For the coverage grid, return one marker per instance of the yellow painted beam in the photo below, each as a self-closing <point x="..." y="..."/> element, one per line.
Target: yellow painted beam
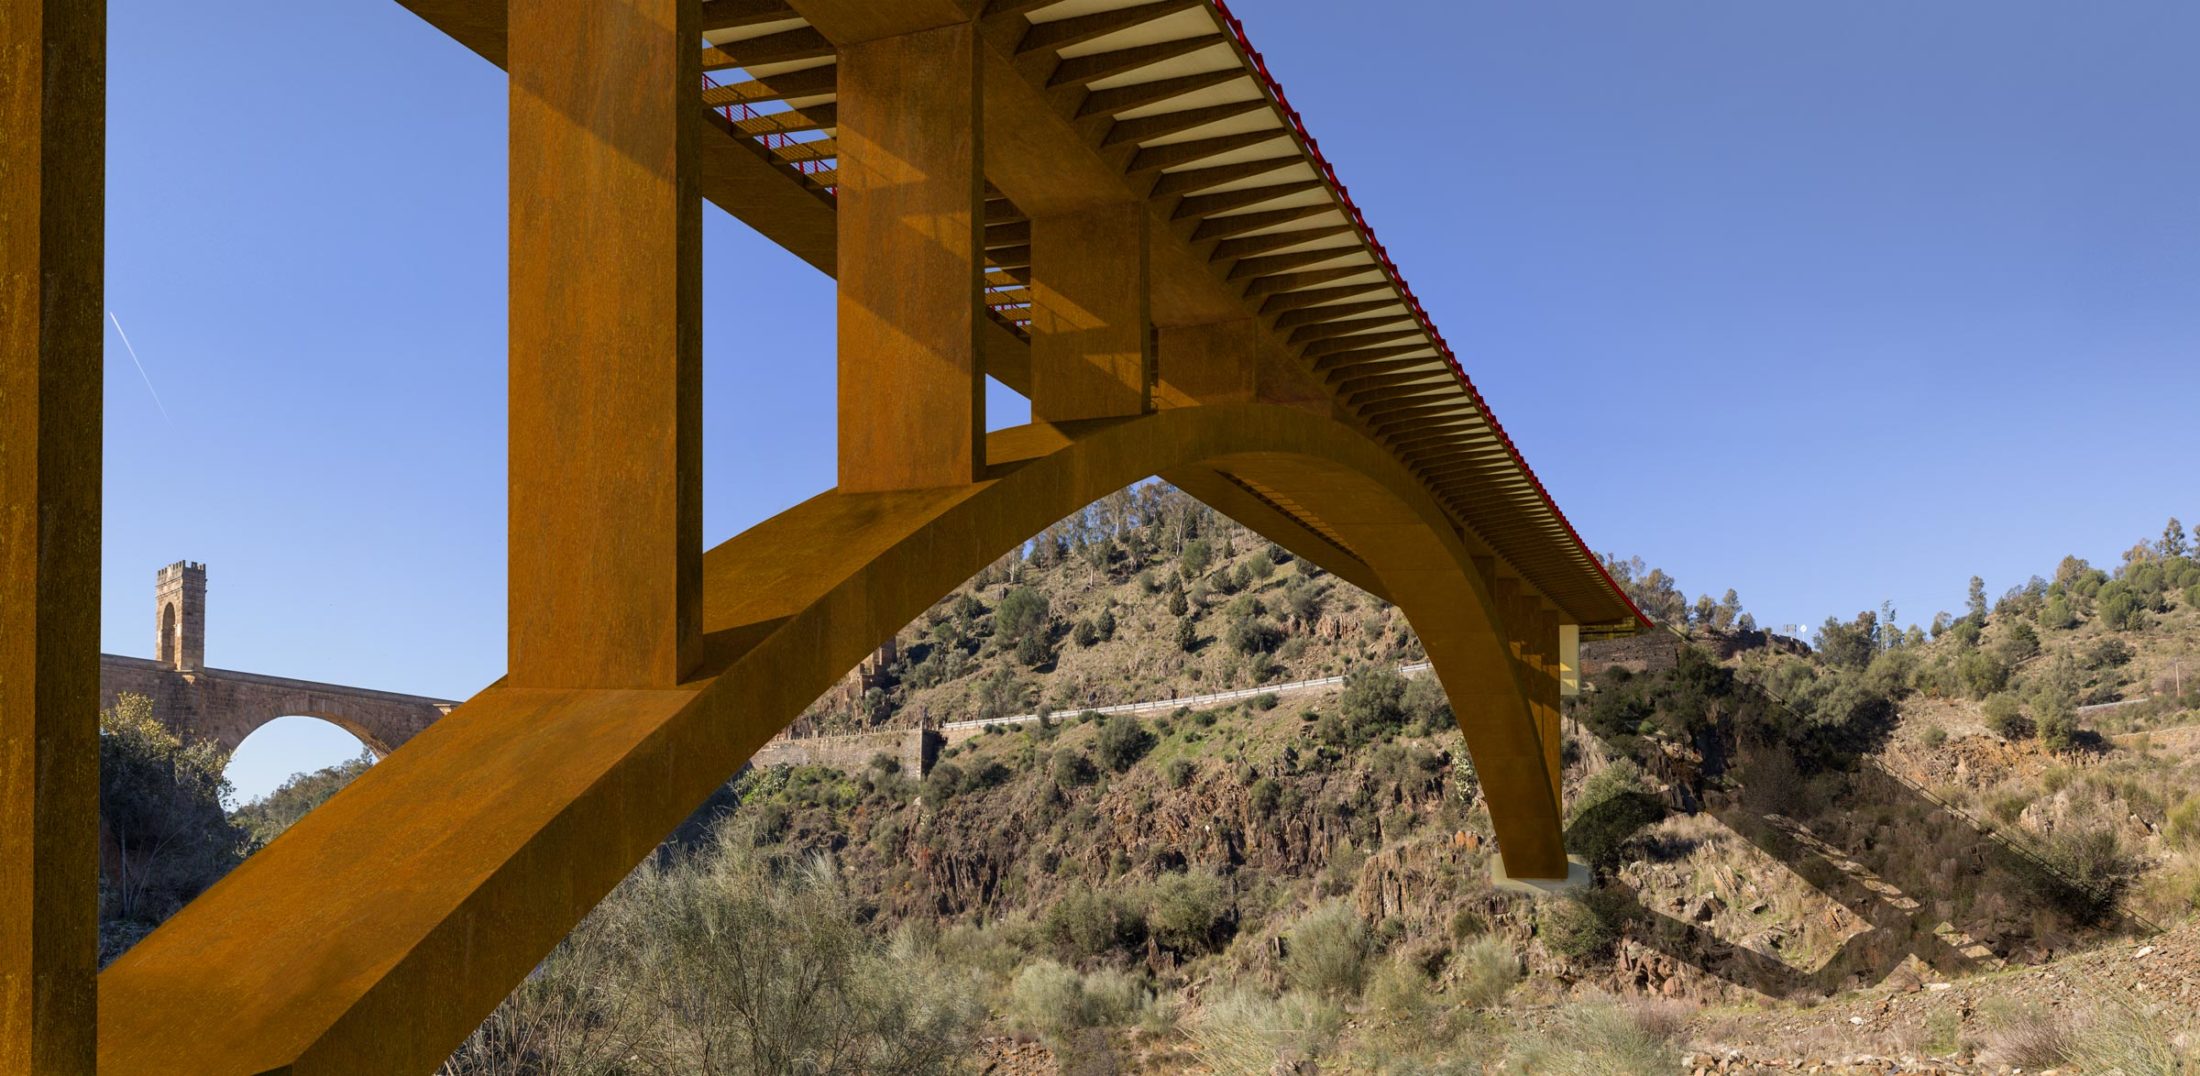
<point x="376" y="933"/>
<point x="606" y="344"/>
<point x="53" y="80"/>
<point x="912" y="207"/>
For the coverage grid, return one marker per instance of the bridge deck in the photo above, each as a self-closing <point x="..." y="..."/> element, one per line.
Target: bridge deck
<point x="1167" y="101"/>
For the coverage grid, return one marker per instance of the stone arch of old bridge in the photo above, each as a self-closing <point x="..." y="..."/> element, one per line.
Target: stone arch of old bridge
<point x="1104" y="204"/>
<point x="225" y="706"/>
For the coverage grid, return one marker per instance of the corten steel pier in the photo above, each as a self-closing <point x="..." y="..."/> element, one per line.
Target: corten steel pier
<point x="1106" y="205"/>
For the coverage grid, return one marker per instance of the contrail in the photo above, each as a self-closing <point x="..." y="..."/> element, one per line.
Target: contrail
<point x="140" y="366"/>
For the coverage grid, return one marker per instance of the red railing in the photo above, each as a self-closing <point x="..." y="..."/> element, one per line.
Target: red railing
<point x="1428" y="325"/>
<point x="737" y="112"/>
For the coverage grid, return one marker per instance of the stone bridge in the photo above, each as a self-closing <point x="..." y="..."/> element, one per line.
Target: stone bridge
<point x="225" y="706"/>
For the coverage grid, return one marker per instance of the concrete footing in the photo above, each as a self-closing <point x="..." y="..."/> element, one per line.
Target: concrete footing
<point x="1577" y="879"/>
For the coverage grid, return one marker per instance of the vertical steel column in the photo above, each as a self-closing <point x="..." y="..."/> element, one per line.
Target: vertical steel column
<point x="606" y="343"/>
<point x="911" y="261"/>
<point x="53" y="120"/>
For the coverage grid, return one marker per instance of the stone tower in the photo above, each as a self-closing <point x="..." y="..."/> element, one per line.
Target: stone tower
<point x="179" y="604"/>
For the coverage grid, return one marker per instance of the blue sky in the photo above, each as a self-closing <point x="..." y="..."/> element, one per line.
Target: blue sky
<point x="1832" y="304"/>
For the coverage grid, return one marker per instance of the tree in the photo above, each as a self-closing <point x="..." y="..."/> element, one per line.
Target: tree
<point x="1121" y="743"/>
<point x="1728" y="611"/>
<point x="1373" y="698"/>
<point x="1252" y="634"/>
<point x="1178" y="603"/>
<point x="160" y="801"/>
<point x="1033" y="650"/>
<point x="1023" y="612"/>
<point x="2173" y="538"/>
<point x="1187" y="636"/>
<point x="1195" y="557"/>
<point x="1976" y="602"/>
<point x="270" y="815"/>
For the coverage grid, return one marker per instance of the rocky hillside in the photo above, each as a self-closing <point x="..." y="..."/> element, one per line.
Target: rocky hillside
<point x="1147" y="594"/>
<point x="1925" y="850"/>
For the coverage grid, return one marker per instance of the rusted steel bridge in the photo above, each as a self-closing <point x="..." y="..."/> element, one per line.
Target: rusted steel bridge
<point x="1106" y="205"/>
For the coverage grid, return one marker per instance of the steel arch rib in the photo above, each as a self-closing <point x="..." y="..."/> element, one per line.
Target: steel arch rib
<point x="382" y="928"/>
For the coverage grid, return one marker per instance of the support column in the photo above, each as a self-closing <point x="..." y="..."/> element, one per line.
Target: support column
<point x="911" y="258"/>
<point x="53" y="118"/>
<point x="606" y="343"/>
<point x="1543" y="697"/>
<point x="1091" y="335"/>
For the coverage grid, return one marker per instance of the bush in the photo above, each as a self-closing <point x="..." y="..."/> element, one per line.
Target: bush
<point x="1426" y="707"/>
<point x="1603" y="1039"/>
<point x="943" y="782"/>
<point x="1373" y="698"/>
<point x="1252" y="635"/>
<point x="719" y="963"/>
<point x="1263" y="702"/>
<point x="269" y="816"/>
<point x="1121" y="743"/>
<point x="1980" y="674"/>
<point x="1073" y="770"/>
<point x="1023" y="612"/>
<point x="1934" y="736"/>
<point x="1326" y="952"/>
<point x="2109" y="653"/>
<point x="2004" y="717"/>
<point x="1085" y="634"/>
<point x="1049" y="1000"/>
<point x="1577" y="929"/>
<point x="160" y="800"/>
<point x="1243" y="1032"/>
<point x="1188" y="912"/>
<point x="1487" y="968"/>
<point x="1088" y="923"/>
<point x="1264" y="796"/>
<point x="2088" y="872"/>
<point x="1613" y="806"/>
<point x="1033" y="650"/>
<point x="1181" y="771"/>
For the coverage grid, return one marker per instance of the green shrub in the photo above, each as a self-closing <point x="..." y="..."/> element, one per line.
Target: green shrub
<point x="1980" y="674"/>
<point x="1073" y="770"/>
<point x="1264" y="795"/>
<point x="1264" y="701"/>
<point x="1614" y="804"/>
<point x="1933" y="736"/>
<point x="1023" y="613"/>
<point x="943" y="782"/>
<point x="2087" y="872"/>
<point x="1326" y="952"/>
<point x="160" y="800"/>
<point x="2004" y="716"/>
<point x="1121" y="743"/>
<point x="1486" y="969"/>
<point x="1088" y="923"/>
<point x="1600" y="1039"/>
<point x="2183" y="829"/>
<point x="1181" y="771"/>
<point x="719" y="963"/>
<point x="1241" y="1032"/>
<point x="1576" y="929"/>
<point x="1188" y="912"/>
<point x="1049" y="1000"/>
